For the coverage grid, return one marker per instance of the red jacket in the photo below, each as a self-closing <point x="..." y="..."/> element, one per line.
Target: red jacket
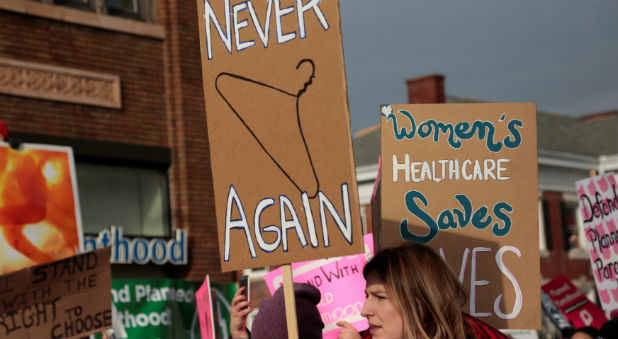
<point x="483" y="330"/>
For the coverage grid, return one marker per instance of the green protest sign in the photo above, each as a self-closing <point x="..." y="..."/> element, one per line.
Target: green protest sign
<point x="166" y="308"/>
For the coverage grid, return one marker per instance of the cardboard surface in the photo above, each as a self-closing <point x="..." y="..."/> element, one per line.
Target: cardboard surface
<point x="485" y="220"/>
<point x="598" y="203"/>
<point x="341" y="283"/>
<point x="68" y="298"/>
<point x="279" y="130"/>
<point x="39" y="207"/>
<point x="573" y="303"/>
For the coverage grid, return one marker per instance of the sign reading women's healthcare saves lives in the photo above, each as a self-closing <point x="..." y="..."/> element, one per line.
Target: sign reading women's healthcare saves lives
<point x="462" y="178"/>
<point x="278" y="128"/>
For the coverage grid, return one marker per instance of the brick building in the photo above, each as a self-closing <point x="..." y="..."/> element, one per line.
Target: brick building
<point x="120" y="82"/>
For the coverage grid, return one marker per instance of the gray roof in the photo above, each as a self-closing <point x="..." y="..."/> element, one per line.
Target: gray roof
<point x="555" y="133"/>
<point x="572" y="135"/>
<point x="367" y="147"/>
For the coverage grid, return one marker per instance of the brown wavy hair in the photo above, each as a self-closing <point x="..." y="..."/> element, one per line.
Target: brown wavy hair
<point x="424" y="289"/>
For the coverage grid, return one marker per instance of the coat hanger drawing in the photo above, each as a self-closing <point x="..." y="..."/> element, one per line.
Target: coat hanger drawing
<point x="280" y="158"/>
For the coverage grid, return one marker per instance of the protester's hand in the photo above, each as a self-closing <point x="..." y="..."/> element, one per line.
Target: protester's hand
<point x="238" y="315"/>
<point x="347" y="331"/>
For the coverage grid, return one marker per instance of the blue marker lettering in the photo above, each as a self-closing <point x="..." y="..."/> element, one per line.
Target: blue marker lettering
<point x="419" y="213"/>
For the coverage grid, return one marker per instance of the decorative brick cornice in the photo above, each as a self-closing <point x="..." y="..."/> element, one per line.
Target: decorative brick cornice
<point x="40" y="81"/>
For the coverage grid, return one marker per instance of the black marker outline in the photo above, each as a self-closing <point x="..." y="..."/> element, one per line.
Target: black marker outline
<point x="300" y="128"/>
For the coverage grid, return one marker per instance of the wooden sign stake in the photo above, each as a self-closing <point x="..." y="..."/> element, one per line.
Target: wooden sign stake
<point x="290" y="302"/>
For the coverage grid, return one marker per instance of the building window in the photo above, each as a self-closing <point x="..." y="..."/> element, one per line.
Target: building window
<point x="134" y="198"/>
<point x="547" y="225"/>
<point x="79" y="4"/>
<point x="120" y="7"/>
<point x="572" y="227"/>
<point x="118" y="184"/>
<point x="134" y="9"/>
<point x="569" y="226"/>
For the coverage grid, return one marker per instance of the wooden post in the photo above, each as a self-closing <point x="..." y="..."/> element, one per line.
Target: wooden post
<point x="290" y="302"/>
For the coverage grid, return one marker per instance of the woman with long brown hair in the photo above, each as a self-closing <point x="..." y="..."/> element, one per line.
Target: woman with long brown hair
<point x="412" y="293"/>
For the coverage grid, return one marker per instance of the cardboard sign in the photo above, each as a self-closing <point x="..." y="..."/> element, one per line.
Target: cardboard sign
<point x="204" y="310"/>
<point x="598" y="202"/>
<point x="39" y="208"/>
<point x="573" y="303"/>
<point x="279" y="131"/>
<point x="341" y="283"/>
<point x="462" y="178"/>
<point x="68" y="298"/>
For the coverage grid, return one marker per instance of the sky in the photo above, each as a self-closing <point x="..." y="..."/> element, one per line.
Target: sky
<point x="561" y="54"/>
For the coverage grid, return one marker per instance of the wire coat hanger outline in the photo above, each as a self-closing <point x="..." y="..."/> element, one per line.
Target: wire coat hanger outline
<point x="298" y="95"/>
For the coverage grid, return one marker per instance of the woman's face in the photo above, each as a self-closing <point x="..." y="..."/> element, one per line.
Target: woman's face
<point x="581" y="335"/>
<point x="384" y="318"/>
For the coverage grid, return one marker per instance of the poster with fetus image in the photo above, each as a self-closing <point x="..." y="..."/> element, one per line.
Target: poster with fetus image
<point x="39" y="208"/>
<point x="462" y="178"/>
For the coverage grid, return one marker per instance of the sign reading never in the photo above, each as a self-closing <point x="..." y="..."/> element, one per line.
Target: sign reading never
<point x="278" y="126"/>
<point x="68" y="298"/>
<point x="462" y="178"/>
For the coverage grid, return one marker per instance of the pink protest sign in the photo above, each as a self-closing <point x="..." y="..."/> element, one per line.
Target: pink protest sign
<point x="598" y="203"/>
<point x="204" y="310"/>
<point x="575" y="306"/>
<point x="341" y="282"/>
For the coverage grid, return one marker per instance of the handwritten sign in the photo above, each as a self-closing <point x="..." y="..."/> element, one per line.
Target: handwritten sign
<point x="598" y="203"/>
<point x="573" y="303"/>
<point x="204" y="310"/>
<point x="462" y="178"/>
<point x="39" y="207"/>
<point x="68" y="298"/>
<point x="341" y="283"/>
<point x="278" y="125"/>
